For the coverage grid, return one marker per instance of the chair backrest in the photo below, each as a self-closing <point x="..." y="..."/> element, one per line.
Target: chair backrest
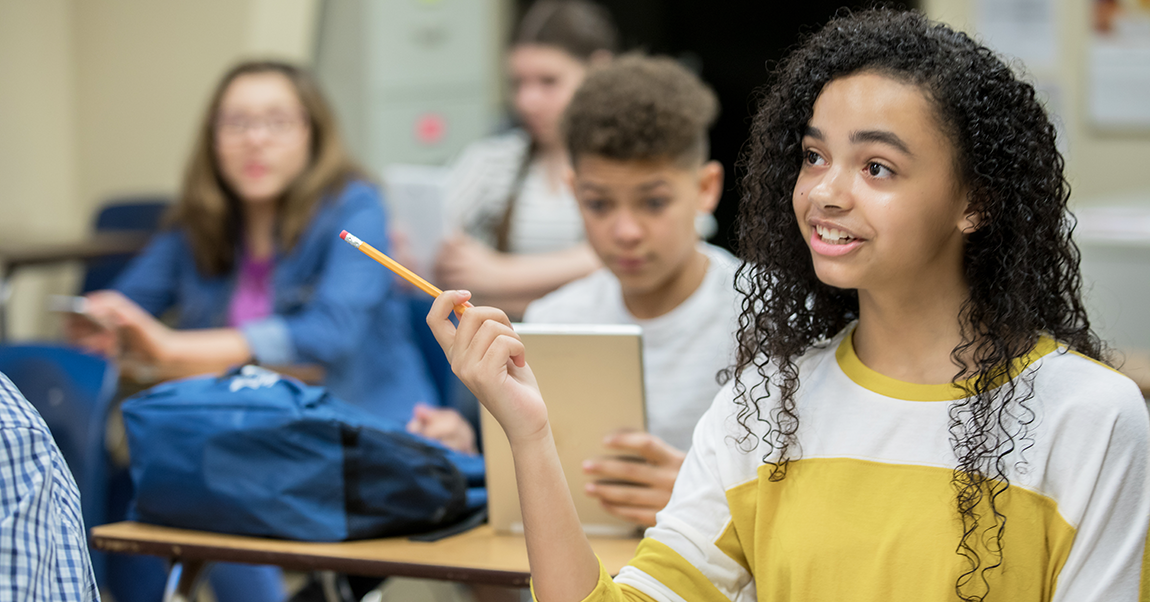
<point x="137" y="215"/>
<point x="72" y="391"/>
<point x="418" y="304"/>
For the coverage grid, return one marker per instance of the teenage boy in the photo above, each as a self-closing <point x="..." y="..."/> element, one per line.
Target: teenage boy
<point x="636" y="131"/>
<point x="637" y="135"/>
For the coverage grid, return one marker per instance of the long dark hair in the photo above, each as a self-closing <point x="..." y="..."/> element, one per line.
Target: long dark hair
<point x="1021" y="266"/>
<point x="580" y="28"/>
<point x="209" y="211"/>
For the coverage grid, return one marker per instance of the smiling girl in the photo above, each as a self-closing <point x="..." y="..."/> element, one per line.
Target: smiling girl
<point x="919" y="409"/>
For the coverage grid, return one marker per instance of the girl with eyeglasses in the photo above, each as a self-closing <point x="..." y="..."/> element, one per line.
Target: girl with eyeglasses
<point x="250" y="267"/>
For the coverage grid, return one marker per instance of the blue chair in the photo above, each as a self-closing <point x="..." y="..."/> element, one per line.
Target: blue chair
<point x="418" y="304"/>
<point x="140" y="215"/>
<point x="452" y="392"/>
<point x="72" y="391"/>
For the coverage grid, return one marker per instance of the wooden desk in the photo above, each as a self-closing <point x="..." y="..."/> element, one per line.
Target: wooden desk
<point x="476" y="556"/>
<point x="19" y="252"/>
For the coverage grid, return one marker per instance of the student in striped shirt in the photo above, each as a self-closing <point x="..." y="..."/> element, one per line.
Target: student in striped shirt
<point x="518" y="233"/>
<point x="919" y="409"/>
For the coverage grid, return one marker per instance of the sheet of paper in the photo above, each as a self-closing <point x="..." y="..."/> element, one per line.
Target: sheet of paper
<point x="1119" y="64"/>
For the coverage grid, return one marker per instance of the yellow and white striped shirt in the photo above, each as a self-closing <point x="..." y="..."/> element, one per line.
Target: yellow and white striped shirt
<point x="868" y="510"/>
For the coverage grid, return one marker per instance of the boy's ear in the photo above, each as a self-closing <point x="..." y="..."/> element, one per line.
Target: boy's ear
<point x="710" y="186"/>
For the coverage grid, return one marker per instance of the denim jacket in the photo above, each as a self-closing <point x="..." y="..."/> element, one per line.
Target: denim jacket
<point x="332" y="305"/>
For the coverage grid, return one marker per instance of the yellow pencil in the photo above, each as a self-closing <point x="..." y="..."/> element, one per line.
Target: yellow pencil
<point x="395" y="266"/>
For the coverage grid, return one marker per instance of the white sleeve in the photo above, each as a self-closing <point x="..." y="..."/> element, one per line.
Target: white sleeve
<point x="1107" y="560"/>
<point x="693" y="552"/>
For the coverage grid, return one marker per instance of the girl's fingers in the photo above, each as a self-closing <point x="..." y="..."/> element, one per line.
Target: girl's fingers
<point x="439" y="318"/>
<point x="504" y="347"/>
<point x="475" y="353"/>
<point x="469" y="324"/>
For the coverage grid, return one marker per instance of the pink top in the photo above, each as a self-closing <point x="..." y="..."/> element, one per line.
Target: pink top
<point x="252" y="298"/>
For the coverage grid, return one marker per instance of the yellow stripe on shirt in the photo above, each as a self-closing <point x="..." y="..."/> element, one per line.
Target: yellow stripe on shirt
<point x="879" y="383"/>
<point x="1144" y="586"/>
<point x="664" y="564"/>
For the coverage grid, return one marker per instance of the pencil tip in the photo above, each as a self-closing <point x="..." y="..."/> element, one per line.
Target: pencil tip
<point x="343" y="234"/>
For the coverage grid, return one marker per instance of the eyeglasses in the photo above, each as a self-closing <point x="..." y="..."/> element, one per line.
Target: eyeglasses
<point x="232" y="128"/>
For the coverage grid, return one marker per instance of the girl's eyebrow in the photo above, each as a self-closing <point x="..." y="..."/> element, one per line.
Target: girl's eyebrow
<point x="880" y="136"/>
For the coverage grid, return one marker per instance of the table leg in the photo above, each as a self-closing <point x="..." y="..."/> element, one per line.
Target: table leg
<point x="335" y="587"/>
<point x="184" y="580"/>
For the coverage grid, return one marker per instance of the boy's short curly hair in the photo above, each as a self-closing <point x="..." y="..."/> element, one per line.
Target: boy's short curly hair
<point x="641" y="108"/>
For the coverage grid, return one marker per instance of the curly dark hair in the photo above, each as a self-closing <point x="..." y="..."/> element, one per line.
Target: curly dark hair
<point x="641" y="108"/>
<point x="1021" y="265"/>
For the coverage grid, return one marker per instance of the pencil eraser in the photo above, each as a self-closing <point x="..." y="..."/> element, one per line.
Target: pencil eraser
<point x="343" y="234"/>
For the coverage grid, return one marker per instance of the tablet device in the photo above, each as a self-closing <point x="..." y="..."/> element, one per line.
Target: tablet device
<point x="591" y="378"/>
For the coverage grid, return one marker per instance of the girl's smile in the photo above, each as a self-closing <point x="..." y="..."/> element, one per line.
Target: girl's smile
<point x="833" y="240"/>
<point x="877" y="198"/>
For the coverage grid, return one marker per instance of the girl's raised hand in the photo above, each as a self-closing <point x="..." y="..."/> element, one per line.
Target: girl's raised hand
<point x="488" y="356"/>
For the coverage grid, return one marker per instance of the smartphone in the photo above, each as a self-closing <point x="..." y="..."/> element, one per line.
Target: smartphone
<point x="73" y="305"/>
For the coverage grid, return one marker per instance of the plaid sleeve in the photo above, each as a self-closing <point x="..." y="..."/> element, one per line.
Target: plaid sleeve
<point x="43" y="549"/>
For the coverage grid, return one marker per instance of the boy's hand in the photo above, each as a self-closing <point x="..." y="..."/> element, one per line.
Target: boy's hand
<point x="445" y="426"/>
<point x="487" y="355"/>
<point x="650" y="482"/>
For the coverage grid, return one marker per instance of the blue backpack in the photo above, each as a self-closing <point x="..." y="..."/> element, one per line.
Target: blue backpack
<point x="257" y="453"/>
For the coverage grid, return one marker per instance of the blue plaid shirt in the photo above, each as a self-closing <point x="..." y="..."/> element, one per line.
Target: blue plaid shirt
<point x="43" y="548"/>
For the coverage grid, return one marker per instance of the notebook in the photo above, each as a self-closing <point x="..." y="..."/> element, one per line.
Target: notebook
<point x="591" y="377"/>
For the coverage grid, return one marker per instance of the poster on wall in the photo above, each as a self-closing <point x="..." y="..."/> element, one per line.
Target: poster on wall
<point x="1119" y="65"/>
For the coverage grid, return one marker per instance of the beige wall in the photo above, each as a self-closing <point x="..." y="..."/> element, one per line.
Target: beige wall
<point x="37" y="142"/>
<point x="1101" y="166"/>
<point x="37" y="116"/>
<point x="144" y="72"/>
<point x="99" y="98"/>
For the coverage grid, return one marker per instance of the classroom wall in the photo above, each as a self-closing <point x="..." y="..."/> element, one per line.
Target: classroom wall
<point x="37" y="120"/>
<point x="145" y="70"/>
<point x="37" y="139"/>
<point x="1102" y="167"/>
<point x="99" y="98"/>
